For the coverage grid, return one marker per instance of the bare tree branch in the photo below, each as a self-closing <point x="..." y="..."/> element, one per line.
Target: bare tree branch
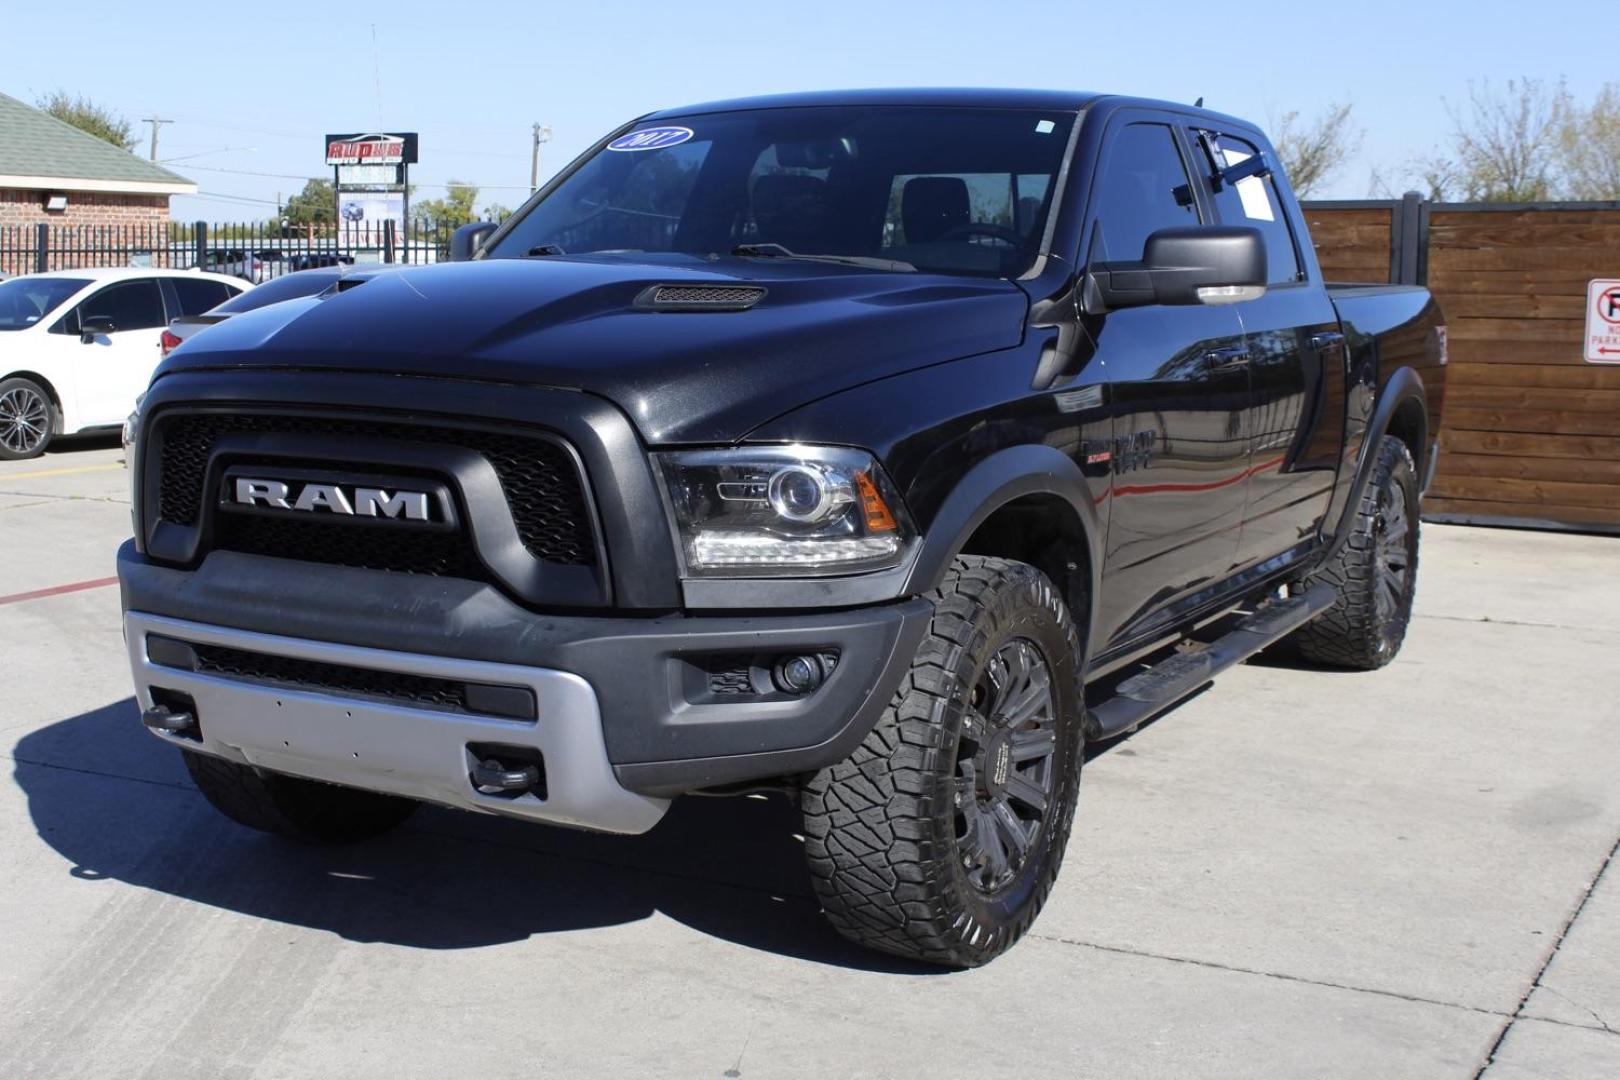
<point x="1312" y="153"/>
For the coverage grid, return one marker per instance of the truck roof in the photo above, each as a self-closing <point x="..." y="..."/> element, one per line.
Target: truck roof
<point x="970" y="97"/>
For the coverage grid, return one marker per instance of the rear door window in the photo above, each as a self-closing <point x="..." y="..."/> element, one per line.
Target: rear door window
<point x="1253" y="201"/>
<point x="197" y="295"/>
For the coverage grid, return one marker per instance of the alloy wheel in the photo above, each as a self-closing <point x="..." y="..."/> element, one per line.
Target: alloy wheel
<point x="24" y="420"/>
<point x="1392" y="552"/>
<point x="1005" y="766"/>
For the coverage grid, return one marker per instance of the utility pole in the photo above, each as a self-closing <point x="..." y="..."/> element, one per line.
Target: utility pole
<point x="542" y="134"/>
<point x="156" y="122"/>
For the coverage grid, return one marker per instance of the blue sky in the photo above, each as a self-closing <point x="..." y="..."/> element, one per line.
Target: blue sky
<point x="252" y="88"/>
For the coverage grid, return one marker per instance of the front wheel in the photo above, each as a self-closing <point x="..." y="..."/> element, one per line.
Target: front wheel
<point x="939" y="839"/>
<point x="27" y="419"/>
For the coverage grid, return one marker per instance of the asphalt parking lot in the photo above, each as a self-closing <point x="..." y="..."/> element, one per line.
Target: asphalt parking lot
<point x="1298" y="873"/>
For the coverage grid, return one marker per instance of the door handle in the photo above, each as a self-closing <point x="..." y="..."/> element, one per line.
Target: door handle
<point x="1325" y="340"/>
<point x="1232" y="358"/>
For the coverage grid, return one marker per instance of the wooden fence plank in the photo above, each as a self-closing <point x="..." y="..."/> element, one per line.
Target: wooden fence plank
<point x="1531" y="493"/>
<point x="1532" y="421"/>
<point x="1567" y="469"/>
<point x="1520" y="397"/>
<point x="1488" y="508"/>
<point x="1528" y="444"/>
<point x="1585" y="377"/>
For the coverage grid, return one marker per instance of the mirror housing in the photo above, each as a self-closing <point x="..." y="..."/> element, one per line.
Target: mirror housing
<point x="93" y="326"/>
<point x="1202" y="264"/>
<point x="464" y="242"/>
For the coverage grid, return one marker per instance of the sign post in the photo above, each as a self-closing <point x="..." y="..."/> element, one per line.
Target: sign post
<point x="1603" y="321"/>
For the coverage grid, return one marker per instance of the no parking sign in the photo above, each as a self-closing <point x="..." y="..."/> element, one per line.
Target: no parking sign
<point x="1603" y="321"/>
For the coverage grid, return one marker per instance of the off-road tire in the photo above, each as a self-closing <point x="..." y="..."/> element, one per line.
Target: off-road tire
<point x="21" y="448"/>
<point x="1355" y="632"/>
<point x="291" y="806"/>
<point x="881" y="826"/>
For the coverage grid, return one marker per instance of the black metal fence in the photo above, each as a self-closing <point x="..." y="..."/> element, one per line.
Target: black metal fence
<point x="256" y="252"/>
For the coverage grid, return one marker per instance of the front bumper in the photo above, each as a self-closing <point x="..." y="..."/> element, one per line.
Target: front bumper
<point x="627" y="713"/>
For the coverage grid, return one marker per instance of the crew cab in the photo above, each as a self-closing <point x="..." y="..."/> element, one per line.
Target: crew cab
<point x="877" y="448"/>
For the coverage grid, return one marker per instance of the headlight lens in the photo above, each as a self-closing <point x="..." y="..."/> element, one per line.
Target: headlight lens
<point x="784" y="511"/>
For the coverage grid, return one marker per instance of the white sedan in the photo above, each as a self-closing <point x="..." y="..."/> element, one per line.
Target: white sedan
<point x="77" y="347"/>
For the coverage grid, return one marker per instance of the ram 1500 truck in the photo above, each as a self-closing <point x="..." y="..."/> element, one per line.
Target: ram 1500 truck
<point x="878" y="448"/>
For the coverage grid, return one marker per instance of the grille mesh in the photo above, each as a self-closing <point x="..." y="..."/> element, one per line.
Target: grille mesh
<point x="314" y="675"/>
<point x="539" y="479"/>
<point x="729" y="296"/>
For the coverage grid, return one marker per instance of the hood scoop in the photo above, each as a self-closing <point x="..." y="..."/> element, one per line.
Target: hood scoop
<point x="700" y="297"/>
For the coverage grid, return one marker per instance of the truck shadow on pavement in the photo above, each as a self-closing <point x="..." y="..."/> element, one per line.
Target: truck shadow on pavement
<point x="116" y="804"/>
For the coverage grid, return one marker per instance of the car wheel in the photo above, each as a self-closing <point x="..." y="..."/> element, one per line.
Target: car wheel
<point x="27" y="419"/>
<point x="292" y="806"/>
<point x="939" y="839"/>
<point x="1374" y="573"/>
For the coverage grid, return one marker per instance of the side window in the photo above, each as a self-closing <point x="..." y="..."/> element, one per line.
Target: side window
<point x="1144" y="188"/>
<point x="1253" y="201"/>
<point x="132" y="305"/>
<point x="198" y="295"/>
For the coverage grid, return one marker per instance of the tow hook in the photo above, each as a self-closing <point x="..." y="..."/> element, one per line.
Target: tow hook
<point x="491" y="777"/>
<point x="166" y="720"/>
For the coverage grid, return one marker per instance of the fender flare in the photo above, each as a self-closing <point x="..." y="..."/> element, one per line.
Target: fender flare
<point x="997" y="480"/>
<point x="1403" y="386"/>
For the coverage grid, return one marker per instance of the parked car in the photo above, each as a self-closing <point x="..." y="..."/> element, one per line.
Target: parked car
<point x="877" y="449"/>
<point x="78" y="346"/>
<point x="254" y="266"/>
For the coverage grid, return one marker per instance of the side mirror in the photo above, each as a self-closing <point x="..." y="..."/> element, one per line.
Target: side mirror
<point x="93" y="326"/>
<point x="464" y="241"/>
<point x="1204" y="264"/>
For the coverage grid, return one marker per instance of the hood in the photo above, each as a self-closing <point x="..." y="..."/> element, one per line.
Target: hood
<point x="574" y="322"/>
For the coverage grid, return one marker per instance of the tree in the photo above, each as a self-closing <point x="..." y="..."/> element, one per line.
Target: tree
<point x="314" y="206"/>
<point x="86" y="115"/>
<point x="455" y="209"/>
<point x="1312" y="153"/>
<point x="1504" y="144"/>
<point x="496" y="212"/>
<point x="1589" y="147"/>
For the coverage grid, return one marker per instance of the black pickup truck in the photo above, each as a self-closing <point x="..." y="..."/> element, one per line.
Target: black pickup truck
<point x="877" y="448"/>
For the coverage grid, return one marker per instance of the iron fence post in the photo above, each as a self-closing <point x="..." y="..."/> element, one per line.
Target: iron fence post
<point x="388" y="240"/>
<point x="42" y="237"/>
<point x="199" y="241"/>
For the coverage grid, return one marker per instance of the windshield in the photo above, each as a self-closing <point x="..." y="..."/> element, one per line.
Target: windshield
<point x="963" y="191"/>
<point x="24" y="301"/>
<point x="274" y="291"/>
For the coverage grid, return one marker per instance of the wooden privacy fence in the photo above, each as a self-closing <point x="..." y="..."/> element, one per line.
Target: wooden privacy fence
<point x="1531" y="431"/>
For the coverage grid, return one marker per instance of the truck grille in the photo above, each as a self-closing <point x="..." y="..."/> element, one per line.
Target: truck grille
<point x="539" y="479"/>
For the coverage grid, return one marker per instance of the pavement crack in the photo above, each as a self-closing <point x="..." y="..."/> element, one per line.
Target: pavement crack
<point x="1581" y="1005"/>
<point x="1546" y="962"/>
<point x="1327" y="984"/>
<point x="1486" y="620"/>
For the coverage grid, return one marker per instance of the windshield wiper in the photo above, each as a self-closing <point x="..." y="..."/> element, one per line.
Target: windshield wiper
<point x="546" y="249"/>
<point x="777" y="251"/>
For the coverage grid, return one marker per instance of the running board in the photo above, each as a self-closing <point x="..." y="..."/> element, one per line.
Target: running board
<point x="1142" y="697"/>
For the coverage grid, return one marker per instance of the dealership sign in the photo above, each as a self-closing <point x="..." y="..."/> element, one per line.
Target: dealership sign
<point x="396" y="148"/>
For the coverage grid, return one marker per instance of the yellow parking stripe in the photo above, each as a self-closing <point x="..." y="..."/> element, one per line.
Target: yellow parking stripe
<point x="60" y="472"/>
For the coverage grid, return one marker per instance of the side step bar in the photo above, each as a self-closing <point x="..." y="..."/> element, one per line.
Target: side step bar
<point x="1142" y="697"/>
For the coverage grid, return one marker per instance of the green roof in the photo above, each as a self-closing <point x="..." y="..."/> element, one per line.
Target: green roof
<point x="36" y="144"/>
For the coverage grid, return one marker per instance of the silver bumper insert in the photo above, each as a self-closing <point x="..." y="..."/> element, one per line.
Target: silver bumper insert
<point x="392" y="747"/>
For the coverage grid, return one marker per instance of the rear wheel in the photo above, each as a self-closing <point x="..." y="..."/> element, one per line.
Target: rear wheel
<point x="940" y="838"/>
<point x="27" y="419"/>
<point x="1374" y="573"/>
<point x="292" y="806"/>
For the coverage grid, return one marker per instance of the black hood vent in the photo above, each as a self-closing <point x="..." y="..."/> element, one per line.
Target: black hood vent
<point x="700" y="297"/>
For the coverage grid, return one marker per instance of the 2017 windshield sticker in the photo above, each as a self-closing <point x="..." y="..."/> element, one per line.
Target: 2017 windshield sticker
<point x="656" y="138"/>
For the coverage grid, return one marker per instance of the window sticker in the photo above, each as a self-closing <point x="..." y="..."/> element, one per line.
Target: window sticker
<point x="653" y="138"/>
<point x="1251" y="189"/>
<point x="1044" y="127"/>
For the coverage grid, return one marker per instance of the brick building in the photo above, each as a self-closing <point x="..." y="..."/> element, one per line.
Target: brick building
<point x="55" y="174"/>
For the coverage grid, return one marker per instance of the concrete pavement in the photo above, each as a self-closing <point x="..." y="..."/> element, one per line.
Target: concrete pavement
<point x="1298" y="873"/>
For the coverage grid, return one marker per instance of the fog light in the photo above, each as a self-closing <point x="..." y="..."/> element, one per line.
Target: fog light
<point x="799" y="674"/>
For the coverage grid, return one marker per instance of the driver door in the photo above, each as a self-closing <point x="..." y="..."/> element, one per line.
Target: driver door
<point x="111" y="370"/>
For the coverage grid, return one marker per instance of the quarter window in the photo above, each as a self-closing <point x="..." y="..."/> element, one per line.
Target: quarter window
<point x="1145" y="188"/>
<point x="198" y="295"/>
